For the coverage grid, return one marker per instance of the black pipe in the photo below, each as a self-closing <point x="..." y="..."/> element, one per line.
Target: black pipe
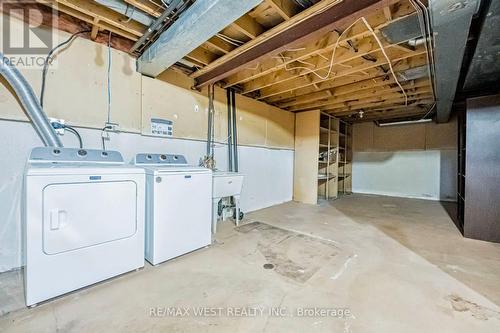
<point x="235" y="131"/>
<point x="229" y="131"/>
<point x="210" y="120"/>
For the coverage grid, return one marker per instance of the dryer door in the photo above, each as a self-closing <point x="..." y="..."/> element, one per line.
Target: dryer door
<point x="79" y="215"/>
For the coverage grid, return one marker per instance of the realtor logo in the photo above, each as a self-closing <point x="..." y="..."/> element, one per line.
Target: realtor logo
<point x="27" y="32"/>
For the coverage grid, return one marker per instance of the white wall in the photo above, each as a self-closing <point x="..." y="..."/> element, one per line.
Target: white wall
<point x="414" y="161"/>
<point x="412" y="174"/>
<point x="269" y="172"/>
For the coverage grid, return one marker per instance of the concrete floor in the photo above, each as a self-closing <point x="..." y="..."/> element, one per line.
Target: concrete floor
<point x="373" y="264"/>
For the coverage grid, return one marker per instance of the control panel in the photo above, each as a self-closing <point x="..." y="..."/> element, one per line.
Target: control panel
<point x="74" y="155"/>
<point x="160" y="159"/>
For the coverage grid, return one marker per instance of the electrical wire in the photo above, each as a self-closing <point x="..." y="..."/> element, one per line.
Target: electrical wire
<point x="428" y="112"/>
<point x="425" y="29"/>
<point x="230" y="40"/>
<point x="103" y="138"/>
<point x="49" y="58"/>
<point x="75" y="132"/>
<point x="57" y="125"/>
<point x="387" y="57"/>
<point x="334" y="51"/>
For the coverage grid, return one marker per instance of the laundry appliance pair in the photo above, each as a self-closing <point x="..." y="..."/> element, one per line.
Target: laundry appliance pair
<point x="88" y="216"/>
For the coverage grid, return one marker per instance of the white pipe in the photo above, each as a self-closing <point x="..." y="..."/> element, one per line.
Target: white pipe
<point x="30" y="103"/>
<point x="127" y="10"/>
<point x="408" y="122"/>
<point x="417" y="41"/>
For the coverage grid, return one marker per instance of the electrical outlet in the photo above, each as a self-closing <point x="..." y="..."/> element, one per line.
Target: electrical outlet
<point x="58" y="125"/>
<point x="112" y="127"/>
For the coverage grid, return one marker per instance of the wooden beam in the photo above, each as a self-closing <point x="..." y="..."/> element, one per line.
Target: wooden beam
<point x="322" y="5"/>
<point x="346" y="89"/>
<point x="388" y="13"/>
<point x="369" y="74"/>
<point x="302" y="81"/>
<point x="285" y="8"/>
<point x="147" y="6"/>
<point x="424" y="98"/>
<point x="377" y="92"/>
<point x="95" y="29"/>
<point x="383" y="97"/>
<point x="220" y="44"/>
<point x="381" y="115"/>
<point x="104" y="14"/>
<point x="396" y="107"/>
<point x="312" y="47"/>
<point x="291" y="33"/>
<point x="366" y="47"/>
<point x="248" y="26"/>
<point x="202" y="56"/>
<point x="64" y="22"/>
<point x="88" y="19"/>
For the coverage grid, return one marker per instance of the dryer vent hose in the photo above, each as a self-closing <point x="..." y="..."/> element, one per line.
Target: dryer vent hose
<point x="30" y="103"/>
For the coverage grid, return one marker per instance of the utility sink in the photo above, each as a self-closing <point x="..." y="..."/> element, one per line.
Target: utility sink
<point x="226" y="184"/>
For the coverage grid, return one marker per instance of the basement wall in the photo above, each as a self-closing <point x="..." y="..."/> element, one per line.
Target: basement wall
<point x="412" y="161"/>
<point x="77" y="92"/>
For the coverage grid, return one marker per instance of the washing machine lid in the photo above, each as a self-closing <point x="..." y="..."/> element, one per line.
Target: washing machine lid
<point x="163" y="163"/>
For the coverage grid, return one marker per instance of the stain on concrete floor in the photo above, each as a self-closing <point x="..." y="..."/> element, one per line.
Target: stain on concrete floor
<point x="294" y="256"/>
<point x="477" y="311"/>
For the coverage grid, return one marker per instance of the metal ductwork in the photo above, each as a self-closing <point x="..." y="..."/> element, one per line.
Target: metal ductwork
<point x="198" y="23"/>
<point x="451" y="21"/>
<point x="484" y="72"/>
<point x="30" y="103"/>
<point x="127" y="10"/>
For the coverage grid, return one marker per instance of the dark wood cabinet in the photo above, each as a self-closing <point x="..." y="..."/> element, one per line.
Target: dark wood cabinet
<point x="479" y="169"/>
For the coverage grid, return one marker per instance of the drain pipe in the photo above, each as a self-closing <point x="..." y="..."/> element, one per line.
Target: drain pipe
<point x="30" y="103"/>
<point x="235" y="132"/>
<point x="210" y="122"/>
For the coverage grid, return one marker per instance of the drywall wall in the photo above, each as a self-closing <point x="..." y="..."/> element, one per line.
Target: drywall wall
<point x="268" y="172"/>
<point x="259" y="124"/>
<point x="76" y="90"/>
<point x="415" y="161"/>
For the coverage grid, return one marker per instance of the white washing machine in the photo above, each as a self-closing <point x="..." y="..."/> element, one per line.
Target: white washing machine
<point x="83" y="213"/>
<point x="178" y="206"/>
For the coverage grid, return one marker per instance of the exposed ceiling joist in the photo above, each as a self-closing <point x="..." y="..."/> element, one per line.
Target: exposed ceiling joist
<point x="300" y="28"/>
<point x="248" y="26"/>
<point x="104" y="14"/>
<point x="359" y="67"/>
<point x="286" y="8"/>
<point x="151" y="7"/>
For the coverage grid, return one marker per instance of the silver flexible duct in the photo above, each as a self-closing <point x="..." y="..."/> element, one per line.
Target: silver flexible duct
<point x="127" y="10"/>
<point x="30" y="103"/>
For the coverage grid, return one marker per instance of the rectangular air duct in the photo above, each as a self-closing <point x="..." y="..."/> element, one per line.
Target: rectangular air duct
<point x="197" y="24"/>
